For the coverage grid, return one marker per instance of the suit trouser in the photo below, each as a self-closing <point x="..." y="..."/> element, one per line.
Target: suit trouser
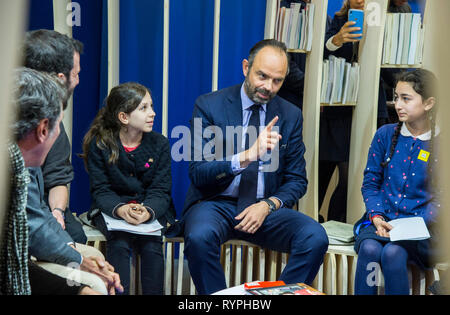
<point x="74" y="275"/>
<point x="209" y="224"/>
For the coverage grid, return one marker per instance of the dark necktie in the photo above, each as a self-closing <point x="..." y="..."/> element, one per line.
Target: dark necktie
<point x="249" y="177"/>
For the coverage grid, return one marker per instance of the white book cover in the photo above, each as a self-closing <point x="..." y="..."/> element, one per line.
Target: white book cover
<point x="330" y="79"/>
<point x="348" y="67"/>
<point x="300" y="35"/>
<point x="277" y="20"/>
<point x="277" y="24"/>
<point x="282" y="16"/>
<point x="311" y="10"/>
<point x="153" y="228"/>
<point x="406" y="38"/>
<point x="413" y="228"/>
<point x="394" y="38"/>
<point x="401" y="33"/>
<point x="298" y="27"/>
<point x="287" y="24"/>
<point x="294" y="25"/>
<point x="338" y="82"/>
<point x="419" y="54"/>
<point x="324" y="81"/>
<point x="415" y="28"/>
<point x="387" y="36"/>
<point x="351" y="86"/>
<point x="341" y="80"/>
<point x="303" y="31"/>
<point x="356" y="81"/>
<point x="335" y="79"/>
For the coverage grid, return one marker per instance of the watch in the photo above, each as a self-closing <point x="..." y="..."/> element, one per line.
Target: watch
<point x="272" y="206"/>
<point x="60" y="210"/>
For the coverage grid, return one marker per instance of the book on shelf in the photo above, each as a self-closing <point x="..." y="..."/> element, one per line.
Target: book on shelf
<point x="403" y="39"/>
<point x="401" y="33"/>
<point x="294" y="26"/>
<point x="340" y="81"/>
<point x="280" y="288"/>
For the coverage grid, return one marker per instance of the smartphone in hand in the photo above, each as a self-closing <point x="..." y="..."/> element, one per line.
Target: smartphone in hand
<point x="358" y="17"/>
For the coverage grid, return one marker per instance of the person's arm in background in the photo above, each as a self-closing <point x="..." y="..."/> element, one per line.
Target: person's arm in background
<point x="57" y="172"/>
<point x="58" y="197"/>
<point x="343" y="36"/>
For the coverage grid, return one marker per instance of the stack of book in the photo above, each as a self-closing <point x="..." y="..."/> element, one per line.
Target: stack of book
<point x="294" y="26"/>
<point x="339" y="233"/>
<point x="403" y="39"/>
<point x="340" y="82"/>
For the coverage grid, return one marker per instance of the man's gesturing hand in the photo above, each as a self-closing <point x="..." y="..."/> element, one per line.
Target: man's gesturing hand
<point x="267" y="140"/>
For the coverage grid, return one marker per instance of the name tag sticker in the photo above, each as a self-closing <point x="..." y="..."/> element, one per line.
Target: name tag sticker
<point x="423" y="155"/>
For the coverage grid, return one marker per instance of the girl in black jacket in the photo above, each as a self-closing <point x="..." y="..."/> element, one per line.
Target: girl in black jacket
<point x="129" y="167"/>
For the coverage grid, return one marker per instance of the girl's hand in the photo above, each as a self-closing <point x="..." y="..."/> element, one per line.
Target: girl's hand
<point x="382" y="226"/>
<point x="344" y="35"/>
<point x="139" y="213"/>
<point x="126" y="213"/>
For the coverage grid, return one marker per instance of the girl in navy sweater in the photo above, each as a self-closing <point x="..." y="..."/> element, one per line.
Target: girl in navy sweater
<point x="129" y="168"/>
<point x="397" y="184"/>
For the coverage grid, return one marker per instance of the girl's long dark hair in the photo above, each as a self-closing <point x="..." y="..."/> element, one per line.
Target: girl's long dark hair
<point x="106" y="126"/>
<point x="424" y="83"/>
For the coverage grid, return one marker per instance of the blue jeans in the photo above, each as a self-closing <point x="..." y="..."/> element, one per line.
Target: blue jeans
<point x="209" y="224"/>
<point x="118" y="253"/>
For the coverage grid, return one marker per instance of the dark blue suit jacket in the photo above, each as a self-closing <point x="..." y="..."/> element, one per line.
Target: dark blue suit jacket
<point x="224" y="108"/>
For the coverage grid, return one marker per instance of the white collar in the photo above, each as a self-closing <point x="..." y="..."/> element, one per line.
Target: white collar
<point x="424" y="137"/>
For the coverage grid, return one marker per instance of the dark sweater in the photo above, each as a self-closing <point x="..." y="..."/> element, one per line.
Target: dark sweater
<point x="141" y="176"/>
<point x="57" y="169"/>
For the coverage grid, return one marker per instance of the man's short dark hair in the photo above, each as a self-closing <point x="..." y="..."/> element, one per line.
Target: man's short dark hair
<point x="267" y="43"/>
<point x="37" y="96"/>
<point x="50" y="51"/>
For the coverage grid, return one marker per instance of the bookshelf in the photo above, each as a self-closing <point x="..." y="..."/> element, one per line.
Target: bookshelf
<point x="389" y="66"/>
<point x="364" y="122"/>
<point x="309" y="204"/>
<point x="403" y="41"/>
<point x="297" y="51"/>
<point x="338" y="104"/>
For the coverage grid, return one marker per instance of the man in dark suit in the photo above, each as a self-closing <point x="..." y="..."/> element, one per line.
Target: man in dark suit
<point x="245" y="191"/>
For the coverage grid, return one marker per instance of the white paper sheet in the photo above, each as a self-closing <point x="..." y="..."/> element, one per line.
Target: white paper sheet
<point x="153" y="228"/>
<point x="408" y="229"/>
